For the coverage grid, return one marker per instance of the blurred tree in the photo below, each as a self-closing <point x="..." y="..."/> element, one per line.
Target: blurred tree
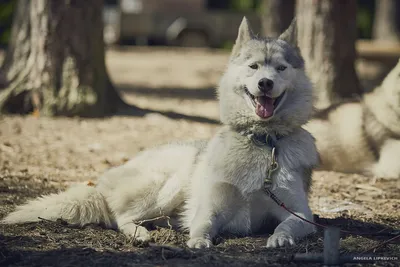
<point x="276" y="16"/>
<point x="327" y="33"/>
<point x="55" y="60"/>
<point x="387" y="20"/>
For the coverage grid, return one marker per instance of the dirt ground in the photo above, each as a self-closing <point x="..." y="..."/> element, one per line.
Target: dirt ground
<point x="40" y="155"/>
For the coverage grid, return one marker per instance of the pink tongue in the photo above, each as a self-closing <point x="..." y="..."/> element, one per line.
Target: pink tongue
<point x="265" y="107"/>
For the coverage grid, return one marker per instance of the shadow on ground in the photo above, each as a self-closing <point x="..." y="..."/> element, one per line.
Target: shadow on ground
<point x="160" y="93"/>
<point x="206" y="93"/>
<point x="48" y="243"/>
<point x="130" y="110"/>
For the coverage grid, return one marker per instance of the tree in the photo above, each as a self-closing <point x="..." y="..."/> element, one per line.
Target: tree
<point x="55" y="60"/>
<point x="276" y="16"/>
<point x="387" y="20"/>
<point x="327" y="33"/>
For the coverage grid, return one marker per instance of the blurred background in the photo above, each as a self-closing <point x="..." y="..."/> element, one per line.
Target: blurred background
<point x="211" y="23"/>
<point x="149" y="22"/>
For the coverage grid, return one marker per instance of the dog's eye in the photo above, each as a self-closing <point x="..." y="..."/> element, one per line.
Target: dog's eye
<point x="281" y="68"/>
<point x="254" y="66"/>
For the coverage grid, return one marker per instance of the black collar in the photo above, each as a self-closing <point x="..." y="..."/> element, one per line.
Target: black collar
<point x="265" y="139"/>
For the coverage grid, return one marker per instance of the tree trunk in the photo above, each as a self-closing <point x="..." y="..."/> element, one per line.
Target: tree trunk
<point x="387" y="20"/>
<point x="276" y="16"/>
<point x="55" y="61"/>
<point x="326" y="35"/>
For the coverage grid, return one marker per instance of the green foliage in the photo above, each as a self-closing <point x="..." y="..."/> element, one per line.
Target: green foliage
<point x="365" y="18"/>
<point x="244" y="5"/>
<point x="5" y="36"/>
<point x="241" y="5"/>
<point x="6" y="14"/>
<point x="228" y="45"/>
<point x="364" y="23"/>
<point x="365" y="13"/>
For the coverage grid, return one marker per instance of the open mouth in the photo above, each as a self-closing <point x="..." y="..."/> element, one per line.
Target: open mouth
<point x="265" y="105"/>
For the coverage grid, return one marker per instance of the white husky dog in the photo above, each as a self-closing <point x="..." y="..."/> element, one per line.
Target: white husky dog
<point x="215" y="186"/>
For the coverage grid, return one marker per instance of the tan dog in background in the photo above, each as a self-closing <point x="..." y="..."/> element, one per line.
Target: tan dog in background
<point x="363" y="136"/>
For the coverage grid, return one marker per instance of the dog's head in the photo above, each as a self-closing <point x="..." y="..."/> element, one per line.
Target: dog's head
<point x="265" y="86"/>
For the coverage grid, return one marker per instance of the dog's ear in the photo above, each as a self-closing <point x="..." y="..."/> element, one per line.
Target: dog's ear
<point x="245" y="34"/>
<point x="290" y="35"/>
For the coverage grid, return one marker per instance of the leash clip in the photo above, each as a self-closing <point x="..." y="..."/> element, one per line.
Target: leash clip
<point x="272" y="168"/>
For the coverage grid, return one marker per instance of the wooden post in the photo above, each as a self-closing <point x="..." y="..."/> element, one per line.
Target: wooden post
<point x="331" y="246"/>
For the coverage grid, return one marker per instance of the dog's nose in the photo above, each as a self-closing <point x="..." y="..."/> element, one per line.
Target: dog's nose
<point x="265" y="85"/>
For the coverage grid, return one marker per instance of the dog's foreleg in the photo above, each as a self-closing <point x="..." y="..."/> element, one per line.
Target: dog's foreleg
<point x="388" y="165"/>
<point x="293" y="195"/>
<point x="214" y="210"/>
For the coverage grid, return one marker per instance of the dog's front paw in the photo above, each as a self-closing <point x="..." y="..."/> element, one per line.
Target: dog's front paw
<point x="199" y="242"/>
<point x="136" y="232"/>
<point x="279" y="240"/>
<point x="141" y="234"/>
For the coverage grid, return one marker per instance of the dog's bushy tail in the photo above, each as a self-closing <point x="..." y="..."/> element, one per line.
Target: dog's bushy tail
<point x="79" y="205"/>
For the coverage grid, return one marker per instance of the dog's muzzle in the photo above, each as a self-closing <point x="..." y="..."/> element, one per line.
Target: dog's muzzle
<point x="264" y="105"/>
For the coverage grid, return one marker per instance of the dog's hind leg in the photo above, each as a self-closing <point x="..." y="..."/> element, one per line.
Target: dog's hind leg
<point x="136" y="199"/>
<point x="152" y="204"/>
